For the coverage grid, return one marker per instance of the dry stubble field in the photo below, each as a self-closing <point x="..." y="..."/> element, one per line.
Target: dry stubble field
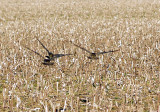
<point x="127" y="80"/>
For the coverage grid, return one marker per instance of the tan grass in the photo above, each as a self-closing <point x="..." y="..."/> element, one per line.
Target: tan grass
<point x="128" y="80"/>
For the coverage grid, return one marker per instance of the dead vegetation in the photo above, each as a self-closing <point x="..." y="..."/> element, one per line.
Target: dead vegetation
<point x="127" y="80"/>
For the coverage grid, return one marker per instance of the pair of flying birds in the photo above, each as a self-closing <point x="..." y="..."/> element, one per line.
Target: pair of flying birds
<point x="48" y="60"/>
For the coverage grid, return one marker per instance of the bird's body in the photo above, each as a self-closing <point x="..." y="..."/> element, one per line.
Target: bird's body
<point x="93" y="56"/>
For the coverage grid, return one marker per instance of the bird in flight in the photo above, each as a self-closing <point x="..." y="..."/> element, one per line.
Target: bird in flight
<point x="92" y="54"/>
<point x="46" y="61"/>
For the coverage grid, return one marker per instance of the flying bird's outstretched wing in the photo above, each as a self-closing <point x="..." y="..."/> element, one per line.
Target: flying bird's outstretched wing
<point x="106" y="52"/>
<point x="34" y="52"/>
<point x="82" y="48"/>
<point x="61" y="55"/>
<point x="43" y="46"/>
